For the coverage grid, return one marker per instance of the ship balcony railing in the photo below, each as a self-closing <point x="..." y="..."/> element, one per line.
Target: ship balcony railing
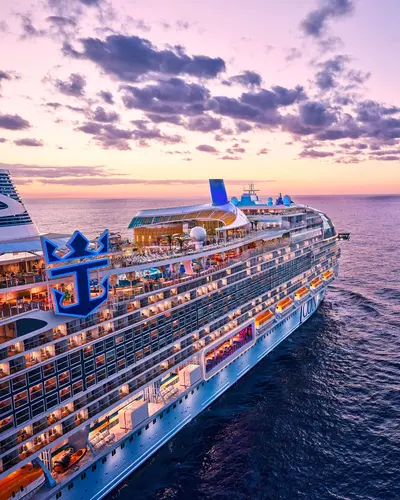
<point x="20" y="279"/>
<point x="25" y="453"/>
<point x="13" y="350"/>
<point x="5" y="407"/>
<point x="4" y="426"/>
<point x="7" y="464"/>
<point x="58" y="334"/>
<point x="14" y="308"/>
<point x="68" y="427"/>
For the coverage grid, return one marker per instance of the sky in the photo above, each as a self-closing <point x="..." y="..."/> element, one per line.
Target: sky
<point x="141" y="98"/>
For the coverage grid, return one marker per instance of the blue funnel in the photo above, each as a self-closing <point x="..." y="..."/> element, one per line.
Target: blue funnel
<point x="218" y="192"/>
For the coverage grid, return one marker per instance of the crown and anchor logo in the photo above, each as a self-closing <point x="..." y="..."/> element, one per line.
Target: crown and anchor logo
<point x="79" y="249"/>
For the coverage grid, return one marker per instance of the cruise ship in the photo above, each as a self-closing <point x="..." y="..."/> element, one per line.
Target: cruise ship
<point x="110" y="346"/>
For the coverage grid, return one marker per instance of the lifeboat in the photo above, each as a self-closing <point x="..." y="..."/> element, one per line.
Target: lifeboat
<point x="315" y="283"/>
<point x="264" y="318"/>
<point x="284" y="304"/>
<point x="68" y="459"/>
<point x="301" y="293"/>
<point x="21" y="482"/>
<point x="327" y="275"/>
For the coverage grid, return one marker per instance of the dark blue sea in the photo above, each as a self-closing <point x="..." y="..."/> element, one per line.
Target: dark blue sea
<point x="319" y="418"/>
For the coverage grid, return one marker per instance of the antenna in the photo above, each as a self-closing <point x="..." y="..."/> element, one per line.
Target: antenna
<point x="251" y="189"/>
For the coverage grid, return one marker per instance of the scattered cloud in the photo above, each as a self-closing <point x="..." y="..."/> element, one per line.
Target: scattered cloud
<point x="203" y="123"/>
<point x="28" y="29"/>
<point x="230" y="157"/>
<point x="73" y="87"/>
<point x="248" y="79"/>
<point x="13" y="122"/>
<point x="54" y="105"/>
<point x="101" y="115"/>
<point x="172" y="97"/>
<point x="263" y="151"/>
<point x="131" y="57"/>
<point x="330" y="69"/>
<point x="293" y="54"/>
<point x="139" y="24"/>
<point x="108" y="136"/>
<point x="312" y="153"/>
<point x="34" y="143"/>
<point x="61" y="21"/>
<point x="205" y="148"/>
<point x="315" y="23"/>
<point x="55" y="172"/>
<point x="4" y="75"/>
<point x="107" y="96"/>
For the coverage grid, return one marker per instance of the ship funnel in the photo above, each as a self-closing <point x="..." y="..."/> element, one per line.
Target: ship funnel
<point x="218" y="192"/>
<point x="15" y="222"/>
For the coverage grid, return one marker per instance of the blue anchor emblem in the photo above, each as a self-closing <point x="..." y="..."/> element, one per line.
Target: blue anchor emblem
<point x="78" y="245"/>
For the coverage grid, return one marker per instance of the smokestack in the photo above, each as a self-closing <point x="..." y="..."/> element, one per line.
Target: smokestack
<point x="218" y="192"/>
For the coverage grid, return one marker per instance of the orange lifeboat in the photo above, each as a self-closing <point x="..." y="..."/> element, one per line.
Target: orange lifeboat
<point x="28" y="478"/>
<point x="301" y="292"/>
<point x="68" y="459"/>
<point x="327" y="275"/>
<point x="263" y="318"/>
<point x="315" y="283"/>
<point x="284" y="304"/>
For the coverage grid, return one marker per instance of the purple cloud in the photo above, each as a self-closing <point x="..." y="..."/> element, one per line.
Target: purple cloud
<point x="175" y="119"/>
<point x="172" y="96"/>
<point x="247" y="79"/>
<point x="74" y="86"/>
<point x="28" y="29"/>
<point x="330" y="69"/>
<point x="316" y="21"/>
<point x="293" y="54"/>
<point x="4" y="75"/>
<point x="106" y="96"/>
<point x="101" y="115"/>
<point x="13" y="122"/>
<point x="230" y="157"/>
<point x="203" y="123"/>
<point x="312" y="153"/>
<point x="205" y="148"/>
<point x="130" y="57"/>
<point x="33" y="143"/>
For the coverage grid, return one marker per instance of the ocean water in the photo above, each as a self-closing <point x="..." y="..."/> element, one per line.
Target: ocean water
<point x="319" y="417"/>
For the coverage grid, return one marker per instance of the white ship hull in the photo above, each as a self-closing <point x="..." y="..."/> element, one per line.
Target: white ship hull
<point x="96" y="484"/>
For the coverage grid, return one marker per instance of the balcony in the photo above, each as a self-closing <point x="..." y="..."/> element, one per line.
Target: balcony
<point x="20" y="279"/>
<point x="13" y="308"/>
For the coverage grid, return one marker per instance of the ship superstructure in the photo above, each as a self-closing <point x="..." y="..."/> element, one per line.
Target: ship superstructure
<point x="109" y="347"/>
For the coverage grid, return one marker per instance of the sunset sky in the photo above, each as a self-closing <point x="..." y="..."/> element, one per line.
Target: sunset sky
<point x="126" y="98"/>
